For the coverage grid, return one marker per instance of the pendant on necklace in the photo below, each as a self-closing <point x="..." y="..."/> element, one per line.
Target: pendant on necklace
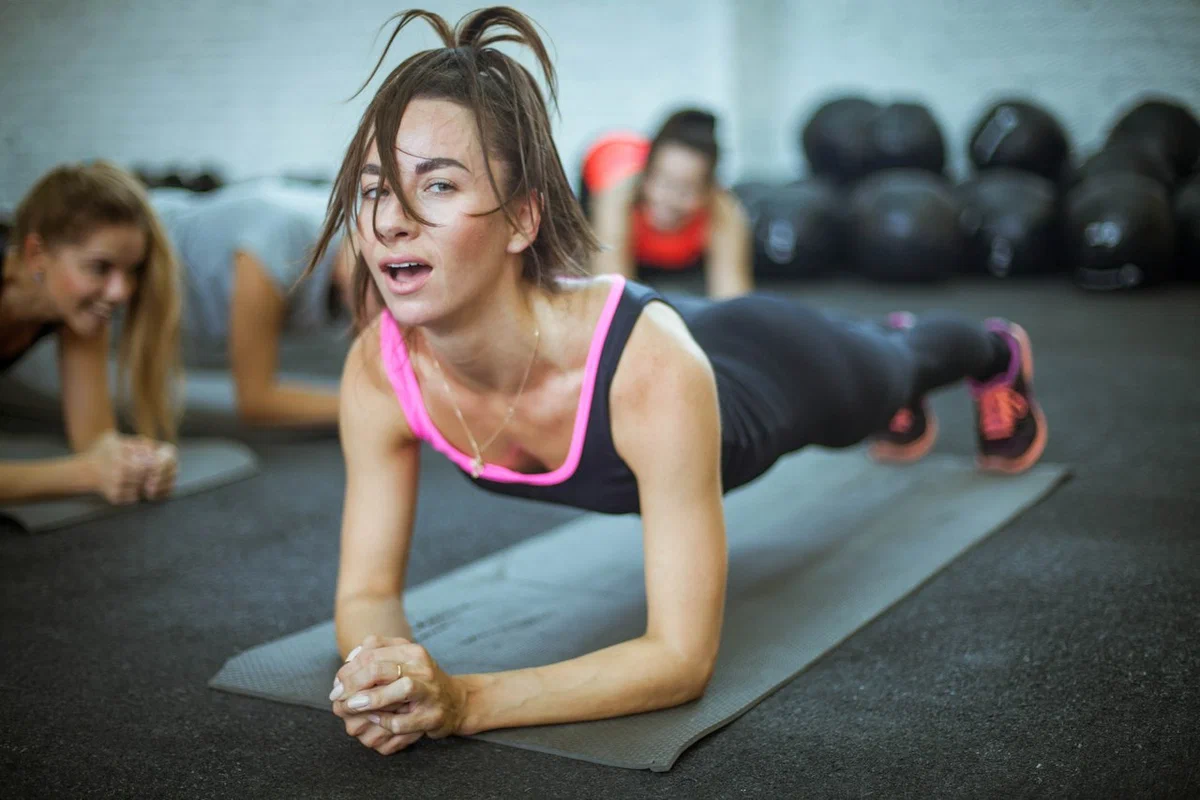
<point x="476" y="467"/>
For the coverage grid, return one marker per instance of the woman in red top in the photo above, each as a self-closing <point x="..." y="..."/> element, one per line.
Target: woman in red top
<point x="656" y="206"/>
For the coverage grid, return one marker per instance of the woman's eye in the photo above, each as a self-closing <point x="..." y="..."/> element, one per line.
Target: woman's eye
<point x="441" y="187"/>
<point x="370" y="193"/>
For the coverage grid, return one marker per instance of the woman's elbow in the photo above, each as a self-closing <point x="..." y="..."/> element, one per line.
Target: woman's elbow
<point x="251" y="414"/>
<point x="685" y="688"/>
<point x="254" y="406"/>
<point x="699" y="679"/>
<point x="690" y="681"/>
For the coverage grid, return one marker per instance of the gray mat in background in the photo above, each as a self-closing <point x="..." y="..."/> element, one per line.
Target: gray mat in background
<point x="203" y="464"/>
<point x="819" y="546"/>
<point x="30" y="390"/>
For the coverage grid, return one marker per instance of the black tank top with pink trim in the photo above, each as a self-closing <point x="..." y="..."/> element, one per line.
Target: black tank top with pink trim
<point x="594" y="477"/>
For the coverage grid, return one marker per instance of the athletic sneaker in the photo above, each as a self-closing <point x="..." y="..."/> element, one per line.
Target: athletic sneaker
<point x="1011" y="425"/>
<point x="912" y="430"/>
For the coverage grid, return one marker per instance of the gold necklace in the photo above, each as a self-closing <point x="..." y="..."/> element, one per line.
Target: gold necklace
<point x="477" y="462"/>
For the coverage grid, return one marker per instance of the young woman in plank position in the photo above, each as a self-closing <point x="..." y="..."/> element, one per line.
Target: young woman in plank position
<point x="591" y="392"/>
<point x="84" y="245"/>
<point x="658" y="209"/>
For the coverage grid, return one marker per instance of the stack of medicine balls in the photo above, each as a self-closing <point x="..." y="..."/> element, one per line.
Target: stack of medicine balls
<point x="877" y="199"/>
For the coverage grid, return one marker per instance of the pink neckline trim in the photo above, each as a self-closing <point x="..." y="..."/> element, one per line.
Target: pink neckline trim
<point x="408" y="391"/>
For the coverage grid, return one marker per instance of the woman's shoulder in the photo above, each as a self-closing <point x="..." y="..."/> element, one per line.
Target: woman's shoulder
<point x="664" y="385"/>
<point x="368" y="394"/>
<point x="727" y="206"/>
<point x="364" y="360"/>
<point x="660" y="359"/>
<point x="594" y="309"/>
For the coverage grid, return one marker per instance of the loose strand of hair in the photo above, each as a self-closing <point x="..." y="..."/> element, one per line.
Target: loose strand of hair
<point x="436" y="21"/>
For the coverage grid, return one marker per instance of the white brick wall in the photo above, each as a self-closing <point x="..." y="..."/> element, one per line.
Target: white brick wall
<point x="1082" y="58"/>
<point x="257" y="86"/>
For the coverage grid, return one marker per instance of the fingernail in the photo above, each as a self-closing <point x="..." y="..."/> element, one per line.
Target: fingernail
<point x="337" y="691"/>
<point x="354" y="652"/>
<point x="375" y="718"/>
<point x="358" y="701"/>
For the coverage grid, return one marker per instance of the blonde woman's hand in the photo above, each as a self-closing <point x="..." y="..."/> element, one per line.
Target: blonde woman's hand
<point x="159" y="481"/>
<point x="118" y="466"/>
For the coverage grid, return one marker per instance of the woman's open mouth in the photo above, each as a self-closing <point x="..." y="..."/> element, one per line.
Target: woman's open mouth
<point x="405" y="275"/>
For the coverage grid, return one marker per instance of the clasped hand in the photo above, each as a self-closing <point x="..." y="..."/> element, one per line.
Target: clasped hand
<point x="390" y="693"/>
<point x="130" y="468"/>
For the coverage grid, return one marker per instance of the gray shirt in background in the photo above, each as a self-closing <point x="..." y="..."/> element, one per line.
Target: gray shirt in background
<point x="274" y="220"/>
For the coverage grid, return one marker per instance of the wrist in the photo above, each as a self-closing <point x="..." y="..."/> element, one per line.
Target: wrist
<point x="472" y="718"/>
<point x="85" y="475"/>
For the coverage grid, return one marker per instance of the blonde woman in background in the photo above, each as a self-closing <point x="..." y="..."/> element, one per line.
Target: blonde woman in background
<point x="84" y="245"/>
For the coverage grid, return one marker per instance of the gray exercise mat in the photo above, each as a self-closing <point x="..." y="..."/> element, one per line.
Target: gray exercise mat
<point x="203" y="464"/>
<point x="30" y="390"/>
<point x="819" y="546"/>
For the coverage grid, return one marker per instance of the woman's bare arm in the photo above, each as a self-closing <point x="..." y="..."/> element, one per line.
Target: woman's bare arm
<point x="256" y="321"/>
<point x="381" y="457"/>
<point x="729" y="270"/>
<point x="666" y="426"/>
<point x="86" y="395"/>
<point x="610" y="220"/>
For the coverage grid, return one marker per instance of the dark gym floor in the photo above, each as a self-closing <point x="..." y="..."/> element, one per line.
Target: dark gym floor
<point x="1060" y="658"/>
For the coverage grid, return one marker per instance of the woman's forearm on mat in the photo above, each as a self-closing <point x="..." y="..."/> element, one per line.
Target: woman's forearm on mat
<point x="45" y="479"/>
<point x="356" y="618"/>
<point x="628" y="678"/>
<point x="290" y="405"/>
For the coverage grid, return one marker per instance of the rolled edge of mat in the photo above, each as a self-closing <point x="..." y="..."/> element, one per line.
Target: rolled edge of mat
<point x="218" y="683"/>
<point x="653" y="766"/>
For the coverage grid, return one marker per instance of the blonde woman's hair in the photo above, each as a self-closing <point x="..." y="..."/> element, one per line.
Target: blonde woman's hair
<point x="66" y="206"/>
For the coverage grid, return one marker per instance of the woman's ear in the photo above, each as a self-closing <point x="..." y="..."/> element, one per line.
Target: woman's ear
<point x="528" y="218"/>
<point x="33" y="249"/>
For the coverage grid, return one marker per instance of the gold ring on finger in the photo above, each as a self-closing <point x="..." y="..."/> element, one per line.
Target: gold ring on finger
<point x="399" y="671"/>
